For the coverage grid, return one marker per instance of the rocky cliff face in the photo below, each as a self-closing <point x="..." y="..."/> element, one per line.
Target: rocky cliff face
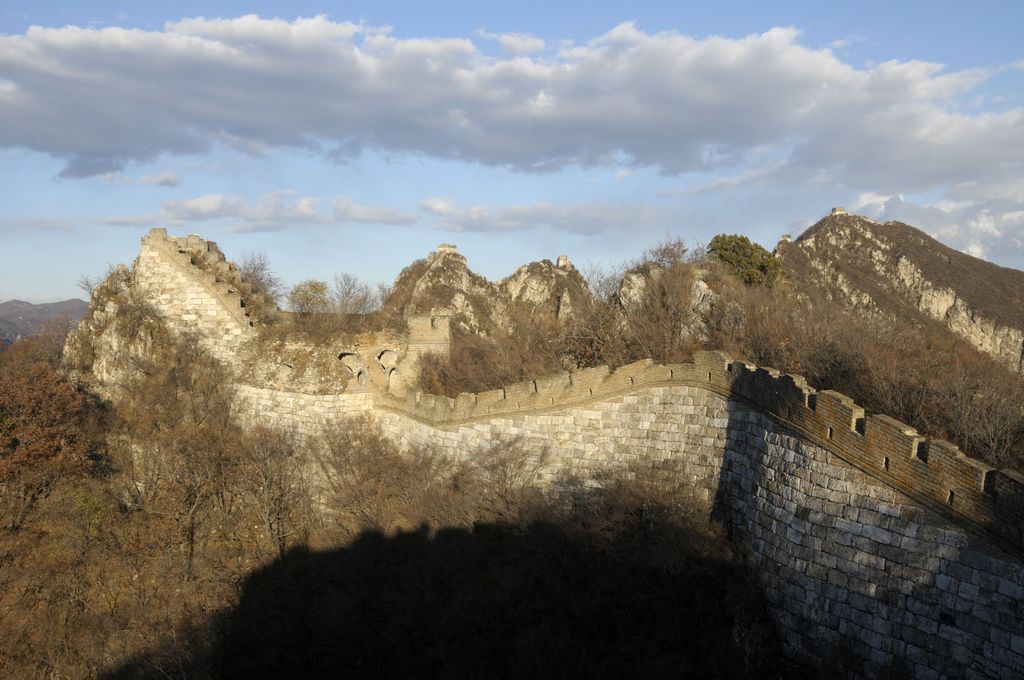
<point x="893" y="268"/>
<point x="695" y="296"/>
<point x="443" y="283"/>
<point x="116" y="338"/>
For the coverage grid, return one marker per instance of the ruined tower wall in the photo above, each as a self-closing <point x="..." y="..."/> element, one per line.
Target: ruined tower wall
<point x="189" y="298"/>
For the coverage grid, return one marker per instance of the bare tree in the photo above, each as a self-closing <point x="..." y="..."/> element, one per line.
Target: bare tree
<point x="255" y="269"/>
<point x="352" y="296"/>
<point x="273" y="481"/>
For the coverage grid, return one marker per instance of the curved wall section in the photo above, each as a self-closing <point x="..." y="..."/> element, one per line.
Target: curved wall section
<point x="860" y="577"/>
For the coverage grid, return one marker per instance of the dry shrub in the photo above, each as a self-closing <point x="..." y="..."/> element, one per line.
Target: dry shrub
<point x="916" y="372"/>
<point x="49" y="429"/>
<point x="254" y="269"/>
<point x="370" y="484"/>
<point x="533" y="347"/>
<point x="272" y="479"/>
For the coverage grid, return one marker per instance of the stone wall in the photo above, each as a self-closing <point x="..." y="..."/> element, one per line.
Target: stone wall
<point x="298" y="413"/>
<point x="860" y="578"/>
<point x="933" y="472"/>
<point x="190" y="299"/>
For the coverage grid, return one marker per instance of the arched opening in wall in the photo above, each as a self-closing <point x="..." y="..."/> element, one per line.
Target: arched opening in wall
<point x="392" y="379"/>
<point x="885" y="463"/>
<point x="830" y="433"/>
<point x="387" y="359"/>
<point x="950" y="497"/>
<point x="921" y="451"/>
<point x="362" y="378"/>
<point x="352" y="361"/>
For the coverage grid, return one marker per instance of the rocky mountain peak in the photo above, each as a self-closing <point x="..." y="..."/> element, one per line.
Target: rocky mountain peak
<point x="895" y="269"/>
<point x="443" y="282"/>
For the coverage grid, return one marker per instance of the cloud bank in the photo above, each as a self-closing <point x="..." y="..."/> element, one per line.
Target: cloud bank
<point x="274" y="211"/>
<point x="584" y="218"/>
<point x="761" y="109"/>
<point x="101" y="98"/>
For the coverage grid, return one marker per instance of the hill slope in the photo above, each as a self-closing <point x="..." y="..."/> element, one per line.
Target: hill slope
<point x="894" y="268"/>
<point x="19" y="318"/>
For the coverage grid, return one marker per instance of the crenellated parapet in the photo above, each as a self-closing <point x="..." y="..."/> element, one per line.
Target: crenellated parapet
<point x="932" y="471"/>
<point x="204" y="261"/>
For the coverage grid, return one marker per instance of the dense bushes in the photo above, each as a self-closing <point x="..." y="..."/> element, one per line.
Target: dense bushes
<point x="918" y="373"/>
<point x="746" y="260"/>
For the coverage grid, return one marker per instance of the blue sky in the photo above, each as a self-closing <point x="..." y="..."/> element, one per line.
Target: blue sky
<point x="356" y="137"/>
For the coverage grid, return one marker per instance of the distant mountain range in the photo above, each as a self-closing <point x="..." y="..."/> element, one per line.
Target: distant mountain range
<point x="19" y="318"/>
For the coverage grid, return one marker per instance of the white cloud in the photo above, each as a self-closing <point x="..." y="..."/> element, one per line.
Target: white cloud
<point x="516" y="43"/>
<point x="211" y="206"/>
<point x="438" y="206"/>
<point x="761" y="109"/>
<point x="167" y="178"/>
<point x="755" y="176"/>
<point x="347" y="211"/>
<point x="845" y="42"/>
<point x="975" y="248"/>
<point x="102" y="98"/>
<point x="971" y="227"/>
<point x="274" y="211"/>
<point x="587" y="218"/>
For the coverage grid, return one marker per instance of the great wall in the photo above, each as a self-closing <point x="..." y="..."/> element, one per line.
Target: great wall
<point x="872" y="541"/>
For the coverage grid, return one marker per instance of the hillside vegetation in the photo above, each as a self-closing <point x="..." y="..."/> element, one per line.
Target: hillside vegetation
<point x="672" y="301"/>
<point x="148" y="535"/>
<point x="151" y="537"/>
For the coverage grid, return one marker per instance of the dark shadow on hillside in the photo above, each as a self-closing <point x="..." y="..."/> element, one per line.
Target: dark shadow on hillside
<point x="495" y="602"/>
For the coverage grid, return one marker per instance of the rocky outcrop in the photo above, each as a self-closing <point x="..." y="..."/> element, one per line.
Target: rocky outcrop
<point x="444" y="284"/>
<point x="118" y="335"/>
<point x="698" y="299"/>
<point x="892" y="268"/>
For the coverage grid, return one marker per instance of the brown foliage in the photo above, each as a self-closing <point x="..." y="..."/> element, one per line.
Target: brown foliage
<point x="370" y="484"/>
<point x="918" y="373"/>
<point x="41" y="436"/>
<point x="475" y="363"/>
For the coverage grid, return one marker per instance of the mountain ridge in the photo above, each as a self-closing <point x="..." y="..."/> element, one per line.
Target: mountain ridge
<point x="894" y="268"/>
<point x="19" y="318"/>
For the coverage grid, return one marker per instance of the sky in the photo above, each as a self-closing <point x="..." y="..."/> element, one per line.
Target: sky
<point x="357" y="136"/>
